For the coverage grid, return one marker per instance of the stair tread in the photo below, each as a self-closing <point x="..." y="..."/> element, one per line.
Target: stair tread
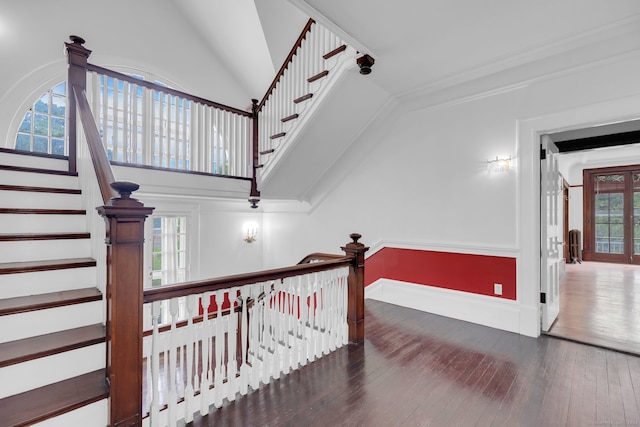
<point x="289" y="118"/>
<point x="278" y="135"/>
<point x="318" y="76"/>
<point x="52" y="400"/>
<point x="303" y="98"/>
<point x="39" y="189"/>
<point x="43" y="211"/>
<point x="19" y="351"/>
<point x="37" y="170"/>
<point x="335" y="51"/>
<point x="32" y="154"/>
<point x="49" y="300"/>
<point x="43" y="265"/>
<point x="13" y="237"/>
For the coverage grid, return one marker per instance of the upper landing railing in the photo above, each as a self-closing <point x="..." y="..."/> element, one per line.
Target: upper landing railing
<point x="147" y="124"/>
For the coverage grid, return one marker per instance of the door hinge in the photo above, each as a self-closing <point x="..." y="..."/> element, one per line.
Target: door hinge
<point x="543" y="298"/>
<point x="543" y="153"/>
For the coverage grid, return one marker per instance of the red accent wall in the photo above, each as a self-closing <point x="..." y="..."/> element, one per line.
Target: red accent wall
<point x="462" y="272"/>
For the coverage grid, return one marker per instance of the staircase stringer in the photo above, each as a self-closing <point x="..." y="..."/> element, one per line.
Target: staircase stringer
<point x="321" y="90"/>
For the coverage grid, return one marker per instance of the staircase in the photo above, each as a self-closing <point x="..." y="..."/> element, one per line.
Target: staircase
<point x="52" y="336"/>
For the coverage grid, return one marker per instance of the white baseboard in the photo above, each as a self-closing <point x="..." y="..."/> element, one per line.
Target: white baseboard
<point x="484" y="310"/>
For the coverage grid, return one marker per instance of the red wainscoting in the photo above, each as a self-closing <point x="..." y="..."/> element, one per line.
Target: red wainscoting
<point x="462" y="272"/>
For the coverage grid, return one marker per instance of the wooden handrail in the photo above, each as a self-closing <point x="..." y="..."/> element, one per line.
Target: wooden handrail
<point x="227" y="282"/>
<point x="319" y="256"/>
<point x="164" y="89"/>
<point x="286" y="63"/>
<point x="104" y="174"/>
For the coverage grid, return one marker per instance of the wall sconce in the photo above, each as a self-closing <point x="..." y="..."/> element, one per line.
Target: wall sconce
<point x="250" y="231"/>
<point x="499" y="164"/>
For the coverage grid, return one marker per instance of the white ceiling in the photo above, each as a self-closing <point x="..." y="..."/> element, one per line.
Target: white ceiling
<point x="420" y="44"/>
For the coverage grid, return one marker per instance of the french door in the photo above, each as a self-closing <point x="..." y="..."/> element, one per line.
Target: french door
<point x="612" y="214"/>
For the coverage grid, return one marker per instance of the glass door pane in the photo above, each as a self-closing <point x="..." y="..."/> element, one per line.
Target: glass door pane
<point x="610" y="223"/>
<point x="636" y="214"/>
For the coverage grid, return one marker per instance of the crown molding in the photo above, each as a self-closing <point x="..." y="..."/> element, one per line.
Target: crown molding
<point x="526" y="65"/>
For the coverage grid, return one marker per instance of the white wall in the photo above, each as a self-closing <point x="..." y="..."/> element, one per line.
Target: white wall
<point x="425" y="180"/>
<point x="215" y="232"/>
<point x="31" y="50"/>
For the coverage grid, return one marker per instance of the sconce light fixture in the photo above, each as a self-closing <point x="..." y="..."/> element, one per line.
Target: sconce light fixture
<point x="499" y="164"/>
<point x="250" y="230"/>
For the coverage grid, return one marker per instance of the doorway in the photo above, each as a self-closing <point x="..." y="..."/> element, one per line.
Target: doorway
<point x="596" y="298"/>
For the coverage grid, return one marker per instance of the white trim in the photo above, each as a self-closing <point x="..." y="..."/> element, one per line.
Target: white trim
<point x="620" y="35"/>
<point x="459" y="248"/>
<point x="481" y="309"/>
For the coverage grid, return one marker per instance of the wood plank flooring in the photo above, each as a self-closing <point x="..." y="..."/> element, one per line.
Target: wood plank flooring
<point x="420" y="369"/>
<point x="600" y="305"/>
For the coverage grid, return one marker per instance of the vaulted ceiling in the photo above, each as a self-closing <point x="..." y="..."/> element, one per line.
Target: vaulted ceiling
<point x="420" y="47"/>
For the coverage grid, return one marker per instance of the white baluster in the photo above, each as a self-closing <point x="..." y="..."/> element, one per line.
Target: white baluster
<point x="244" y="340"/>
<point x="219" y="345"/>
<point x="172" y="356"/>
<point x="155" y="366"/>
<point x="275" y="328"/>
<point x="232" y="335"/>
<point x="186" y="108"/>
<point x="125" y="123"/>
<point x="191" y="378"/>
<point x="205" y="355"/>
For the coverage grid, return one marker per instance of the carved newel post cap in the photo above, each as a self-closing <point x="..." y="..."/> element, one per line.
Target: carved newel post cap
<point x="355" y="237"/>
<point x="76" y="39"/>
<point x="124" y="188"/>
<point x="365" y="62"/>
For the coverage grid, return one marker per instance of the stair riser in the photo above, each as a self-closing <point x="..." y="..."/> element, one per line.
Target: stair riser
<point x="33" y="162"/>
<point x="30" y="179"/>
<point x="94" y="415"/>
<point x="41" y="282"/>
<point x="40" y="322"/>
<point x="36" y="223"/>
<point x="36" y="200"/>
<point x="47" y="370"/>
<point x="35" y="250"/>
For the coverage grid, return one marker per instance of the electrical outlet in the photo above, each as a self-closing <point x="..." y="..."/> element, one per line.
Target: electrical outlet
<point x="497" y="288"/>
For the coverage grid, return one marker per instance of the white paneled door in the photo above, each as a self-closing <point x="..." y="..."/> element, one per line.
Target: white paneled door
<point x="551" y="239"/>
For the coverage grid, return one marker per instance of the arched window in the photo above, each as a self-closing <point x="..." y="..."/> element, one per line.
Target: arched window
<point x="44" y="127"/>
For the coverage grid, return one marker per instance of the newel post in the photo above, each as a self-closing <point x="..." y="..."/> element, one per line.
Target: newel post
<point x="77" y="56"/>
<point x="355" y="309"/>
<point x="254" y="195"/>
<point x="124" y="218"/>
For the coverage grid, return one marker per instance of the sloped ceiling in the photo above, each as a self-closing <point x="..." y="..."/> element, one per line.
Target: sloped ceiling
<point x="251" y="38"/>
<point x="427" y="45"/>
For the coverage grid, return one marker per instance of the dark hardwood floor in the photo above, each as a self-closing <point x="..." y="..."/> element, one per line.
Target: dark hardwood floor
<point x="419" y="369"/>
<point x="600" y="305"/>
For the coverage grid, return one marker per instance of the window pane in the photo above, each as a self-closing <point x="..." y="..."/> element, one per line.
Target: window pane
<point x="26" y="123"/>
<point x="42" y="104"/>
<point x="40" y="144"/>
<point x="61" y="89"/>
<point x="57" y="146"/>
<point x="41" y="124"/>
<point x="57" y="127"/>
<point x="609" y="222"/>
<point x="58" y="106"/>
<point x="23" y="142"/>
